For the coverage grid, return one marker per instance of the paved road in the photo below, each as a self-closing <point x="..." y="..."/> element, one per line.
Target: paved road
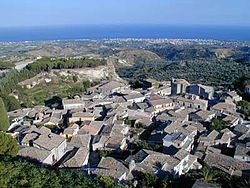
<point x="20" y="65"/>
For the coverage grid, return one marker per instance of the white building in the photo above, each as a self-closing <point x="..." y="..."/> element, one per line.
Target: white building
<point x="134" y="97"/>
<point x="42" y="145"/>
<point x="69" y="104"/>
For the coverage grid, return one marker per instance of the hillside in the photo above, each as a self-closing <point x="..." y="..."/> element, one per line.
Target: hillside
<point x="60" y="77"/>
<point x="216" y="73"/>
<point x="51" y="51"/>
<point x="224" y="52"/>
<point x="63" y="83"/>
<point x="174" y="53"/>
<point x="131" y="57"/>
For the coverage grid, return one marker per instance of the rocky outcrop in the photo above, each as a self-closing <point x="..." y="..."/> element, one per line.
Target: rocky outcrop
<point x="91" y="74"/>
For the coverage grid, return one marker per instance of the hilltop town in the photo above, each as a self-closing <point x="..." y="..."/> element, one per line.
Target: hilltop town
<point x="125" y="94"/>
<point x="125" y="113"/>
<point x="168" y="128"/>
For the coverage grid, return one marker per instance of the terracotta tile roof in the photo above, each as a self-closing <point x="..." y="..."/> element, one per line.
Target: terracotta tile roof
<point x="133" y="96"/>
<point x="29" y="137"/>
<point x="227" y="164"/>
<point x="77" y="161"/>
<point x="181" y="81"/>
<point x="34" y="153"/>
<point x="111" y="85"/>
<point x="150" y="80"/>
<point x="160" y="101"/>
<point x="207" y="88"/>
<point x="151" y="160"/>
<point x="110" y="167"/>
<point x="93" y="128"/>
<point x="49" y="141"/>
<point x="78" y="141"/>
<point x="72" y="101"/>
<point x="224" y="106"/>
<point x="213" y="135"/>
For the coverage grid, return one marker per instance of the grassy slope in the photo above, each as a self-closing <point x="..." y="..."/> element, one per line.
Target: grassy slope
<point x="44" y="91"/>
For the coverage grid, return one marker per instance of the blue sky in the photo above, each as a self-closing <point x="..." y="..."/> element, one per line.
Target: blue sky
<point x="79" y="12"/>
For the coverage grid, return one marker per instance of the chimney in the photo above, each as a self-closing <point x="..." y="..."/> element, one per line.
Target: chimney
<point x="131" y="165"/>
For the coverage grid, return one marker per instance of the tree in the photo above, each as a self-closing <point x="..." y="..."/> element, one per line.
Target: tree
<point x="150" y="179"/>
<point x="6" y="65"/>
<point x="104" y="153"/>
<point x="16" y="172"/>
<point x="4" y="120"/>
<point x="217" y="125"/>
<point x="147" y="180"/>
<point x="244" y="108"/>
<point x="11" y="103"/>
<point x="75" y="78"/>
<point x="8" y="145"/>
<point x="228" y="181"/>
<point x="107" y="181"/>
<point x="54" y="102"/>
<point x="208" y="175"/>
<point x="245" y="183"/>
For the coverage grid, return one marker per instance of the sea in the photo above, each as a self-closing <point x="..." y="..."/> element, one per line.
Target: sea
<point x="43" y="33"/>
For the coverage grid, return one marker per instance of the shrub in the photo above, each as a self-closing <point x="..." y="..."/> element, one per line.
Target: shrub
<point x="8" y="145"/>
<point x="4" y="120"/>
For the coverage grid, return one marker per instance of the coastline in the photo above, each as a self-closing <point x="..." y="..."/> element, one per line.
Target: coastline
<point x="97" y="32"/>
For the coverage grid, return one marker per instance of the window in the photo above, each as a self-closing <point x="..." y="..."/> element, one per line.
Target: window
<point x="53" y="158"/>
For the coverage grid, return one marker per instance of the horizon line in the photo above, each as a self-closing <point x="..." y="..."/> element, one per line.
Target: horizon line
<point x="122" y="24"/>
